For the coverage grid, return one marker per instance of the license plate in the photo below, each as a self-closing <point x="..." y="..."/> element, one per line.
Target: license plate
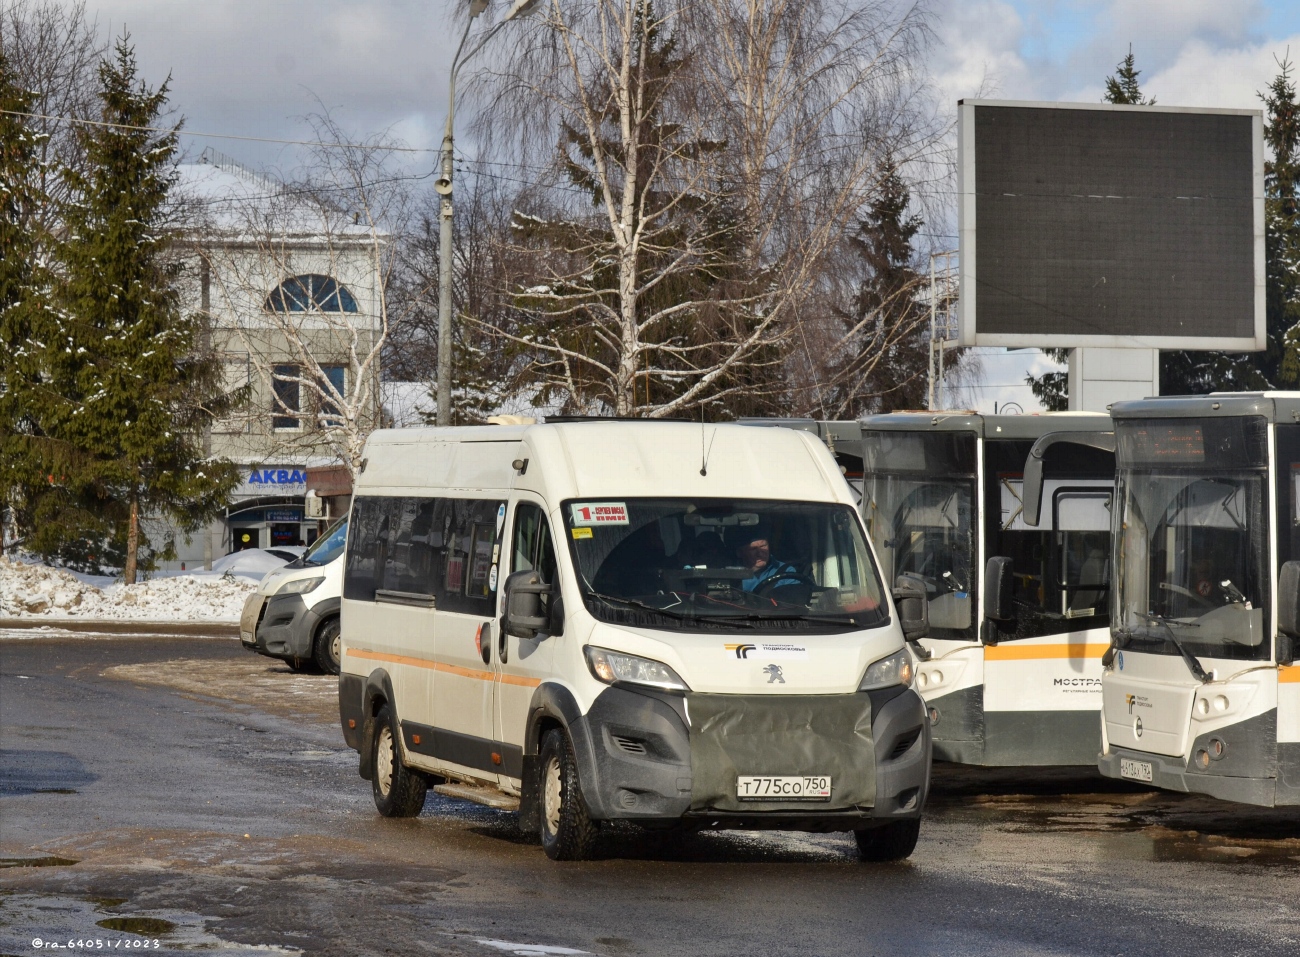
<point x="1135" y="770"/>
<point x="756" y="787"/>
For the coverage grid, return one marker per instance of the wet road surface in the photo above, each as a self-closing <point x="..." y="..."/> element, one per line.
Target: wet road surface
<point x="177" y="792"/>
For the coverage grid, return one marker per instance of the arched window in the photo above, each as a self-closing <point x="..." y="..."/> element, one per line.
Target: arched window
<point x="309" y="293"/>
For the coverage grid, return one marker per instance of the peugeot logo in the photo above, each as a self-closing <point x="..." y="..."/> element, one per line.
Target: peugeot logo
<point x="1137" y="727"/>
<point x="774" y="675"/>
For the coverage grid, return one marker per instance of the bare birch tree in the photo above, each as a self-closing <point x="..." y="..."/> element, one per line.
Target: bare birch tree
<point x="55" y="51"/>
<point x="713" y="157"/>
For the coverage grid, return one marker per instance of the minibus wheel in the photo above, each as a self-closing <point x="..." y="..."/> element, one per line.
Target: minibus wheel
<point x="327" y="647"/>
<point x="399" y="791"/>
<point x="567" y="829"/>
<point x="888" y="842"/>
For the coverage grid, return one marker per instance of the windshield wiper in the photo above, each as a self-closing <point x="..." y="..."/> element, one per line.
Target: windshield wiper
<point x="633" y="603"/>
<point x="751" y="616"/>
<point x="1193" y="665"/>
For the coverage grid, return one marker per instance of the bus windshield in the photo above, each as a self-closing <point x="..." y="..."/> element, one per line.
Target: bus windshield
<point x="919" y="504"/>
<point x="1193" y="561"/>
<point x="730" y="565"/>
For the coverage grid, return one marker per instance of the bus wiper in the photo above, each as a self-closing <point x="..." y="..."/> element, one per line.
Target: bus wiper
<point x="645" y="606"/>
<point x="818" y="619"/>
<point x="1193" y="665"/>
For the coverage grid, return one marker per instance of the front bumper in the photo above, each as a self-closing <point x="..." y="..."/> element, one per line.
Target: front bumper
<point x="287" y="627"/>
<point x="1170" y="772"/>
<point x="638" y="759"/>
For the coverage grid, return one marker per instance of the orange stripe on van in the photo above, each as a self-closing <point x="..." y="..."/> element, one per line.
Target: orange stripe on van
<point x="432" y="665"/>
<point x="1015" y="652"/>
<point x="1289" y="675"/>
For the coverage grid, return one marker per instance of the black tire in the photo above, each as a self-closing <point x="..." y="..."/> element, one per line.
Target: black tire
<point x="399" y="791"/>
<point x="567" y="830"/>
<point x="889" y="842"/>
<point x="326" y="647"/>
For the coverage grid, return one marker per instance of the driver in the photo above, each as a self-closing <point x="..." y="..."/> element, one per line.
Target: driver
<point x="755" y="554"/>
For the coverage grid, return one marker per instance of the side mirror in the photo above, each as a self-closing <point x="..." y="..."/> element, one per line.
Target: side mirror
<point x="524" y="591"/>
<point x="913" y="608"/>
<point x="1288" y="611"/>
<point x="998" y="582"/>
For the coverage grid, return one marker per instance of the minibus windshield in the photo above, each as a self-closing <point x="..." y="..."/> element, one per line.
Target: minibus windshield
<point x="329" y="546"/>
<point x="1193" y="536"/>
<point x="724" y="564"/>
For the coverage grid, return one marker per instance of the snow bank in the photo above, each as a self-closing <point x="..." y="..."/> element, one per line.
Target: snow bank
<point x="39" y="591"/>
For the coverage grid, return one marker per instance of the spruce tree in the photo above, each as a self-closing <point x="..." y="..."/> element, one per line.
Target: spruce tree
<point x="20" y="297"/>
<point x="136" y="388"/>
<point x="1123" y="87"/>
<point x="883" y="241"/>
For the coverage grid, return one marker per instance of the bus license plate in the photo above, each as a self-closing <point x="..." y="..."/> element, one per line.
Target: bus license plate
<point x="755" y="787"/>
<point x="1135" y="770"/>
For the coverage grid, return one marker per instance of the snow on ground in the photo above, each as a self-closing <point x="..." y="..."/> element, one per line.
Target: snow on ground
<point x="39" y="591"/>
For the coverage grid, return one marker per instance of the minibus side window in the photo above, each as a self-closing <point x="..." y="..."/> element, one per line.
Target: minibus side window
<point x="532" y="547"/>
<point x="364" y="568"/>
<point x="465" y="534"/>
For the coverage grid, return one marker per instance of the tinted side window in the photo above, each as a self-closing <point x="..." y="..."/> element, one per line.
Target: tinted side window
<point x="424" y="546"/>
<point x="467" y="548"/>
<point x="368" y="527"/>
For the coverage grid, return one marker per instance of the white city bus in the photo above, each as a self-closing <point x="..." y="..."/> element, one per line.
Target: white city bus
<point x="1015" y="680"/>
<point x="664" y="623"/>
<point x="1200" y="690"/>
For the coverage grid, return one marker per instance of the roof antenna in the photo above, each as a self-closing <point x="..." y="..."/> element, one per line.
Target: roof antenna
<point x="704" y="455"/>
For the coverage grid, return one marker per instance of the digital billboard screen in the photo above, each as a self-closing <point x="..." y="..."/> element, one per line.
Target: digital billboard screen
<point x="1111" y="226"/>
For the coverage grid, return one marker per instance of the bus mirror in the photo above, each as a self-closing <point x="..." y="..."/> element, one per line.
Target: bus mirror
<point x="524" y="591"/>
<point x="998" y="581"/>
<point x="913" y="608"/>
<point x="1288" y="600"/>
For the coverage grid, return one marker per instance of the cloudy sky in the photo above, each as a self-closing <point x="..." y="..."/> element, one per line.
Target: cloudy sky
<point x="255" y="68"/>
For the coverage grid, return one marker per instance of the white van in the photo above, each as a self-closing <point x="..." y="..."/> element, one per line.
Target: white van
<point x="294" y="614"/>
<point x="666" y="623"/>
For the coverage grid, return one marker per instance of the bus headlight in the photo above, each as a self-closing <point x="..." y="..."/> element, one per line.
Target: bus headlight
<point x="299" y="587"/>
<point x="888" y="672"/>
<point x="617" y="667"/>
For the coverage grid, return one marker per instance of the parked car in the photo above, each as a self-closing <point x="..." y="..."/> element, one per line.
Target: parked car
<point x="294" y="615"/>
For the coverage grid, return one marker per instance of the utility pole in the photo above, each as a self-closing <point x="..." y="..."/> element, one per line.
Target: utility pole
<point x="443" y="185"/>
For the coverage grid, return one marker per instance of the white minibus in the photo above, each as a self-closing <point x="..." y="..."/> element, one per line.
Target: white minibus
<point x="673" y="624"/>
<point x="294" y="614"/>
<point x="1201" y="691"/>
<point x="1004" y="521"/>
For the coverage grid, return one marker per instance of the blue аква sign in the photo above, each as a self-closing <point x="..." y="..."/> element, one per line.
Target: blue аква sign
<point x="277" y="477"/>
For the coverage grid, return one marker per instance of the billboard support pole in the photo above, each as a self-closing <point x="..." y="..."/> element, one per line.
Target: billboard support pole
<point x="930" y="402"/>
<point x="1099" y="377"/>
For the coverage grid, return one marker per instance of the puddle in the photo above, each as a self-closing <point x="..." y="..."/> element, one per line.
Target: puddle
<point x="56" y="920"/>
<point x="144" y="926"/>
<point x="47" y="861"/>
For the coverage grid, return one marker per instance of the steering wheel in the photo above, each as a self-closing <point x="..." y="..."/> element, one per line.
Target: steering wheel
<point x="784" y="580"/>
<point x="1188" y="593"/>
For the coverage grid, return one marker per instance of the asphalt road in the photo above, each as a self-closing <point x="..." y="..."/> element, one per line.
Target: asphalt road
<point x="174" y="793"/>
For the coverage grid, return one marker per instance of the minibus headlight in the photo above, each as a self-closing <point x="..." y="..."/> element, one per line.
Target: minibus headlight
<point x="299" y="587"/>
<point x="888" y="672"/>
<point x="617" y="667"/>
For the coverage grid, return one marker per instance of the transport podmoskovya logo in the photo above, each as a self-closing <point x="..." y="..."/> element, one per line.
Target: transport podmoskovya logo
<point x="774" y="675"/>
<point x="742" y="651"/>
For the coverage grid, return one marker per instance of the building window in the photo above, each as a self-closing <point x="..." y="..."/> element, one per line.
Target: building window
<point x="329" y="410"/>
<point x="287" y="389"/>
<point x="311" y="293"/>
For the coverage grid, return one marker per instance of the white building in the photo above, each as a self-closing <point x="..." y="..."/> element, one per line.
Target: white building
<point x="294" y="286"/>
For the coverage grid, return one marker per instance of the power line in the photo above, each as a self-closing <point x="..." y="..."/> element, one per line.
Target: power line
<point x="220" y="136"/>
